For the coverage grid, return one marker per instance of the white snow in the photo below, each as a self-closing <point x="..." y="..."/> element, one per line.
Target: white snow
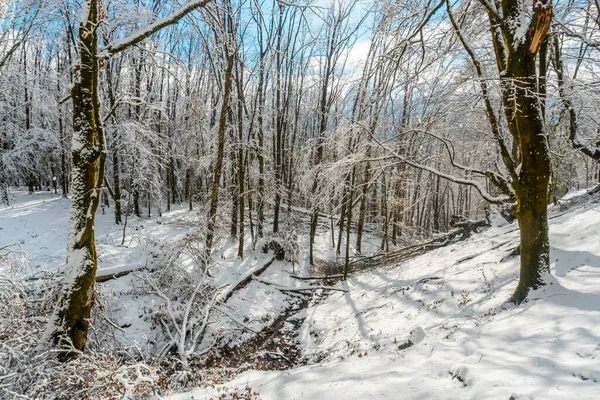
<point x="466" y="343"/>
<point x="574" y="193"/>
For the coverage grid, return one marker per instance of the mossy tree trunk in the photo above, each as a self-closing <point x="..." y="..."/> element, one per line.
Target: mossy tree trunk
<point x="69" y="323"/>
<point x="518" y="40"/>
<point x="532" y="186"/>
<point x="517" y="53"/>
<point x="519" y="82"/>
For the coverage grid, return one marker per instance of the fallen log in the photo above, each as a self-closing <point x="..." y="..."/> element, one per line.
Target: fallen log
<point x="245" y="280"/>
<point x="468" y="226"/>
<point x="294" y="289"/>
<point x="108" y="277"/>
<point x="304" y="289"/>
<point x="316" y="278"/>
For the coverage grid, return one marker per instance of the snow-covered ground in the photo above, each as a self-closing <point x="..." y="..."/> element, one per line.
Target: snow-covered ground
<point x="37" y="224"/>
<point x="465" y="343"/>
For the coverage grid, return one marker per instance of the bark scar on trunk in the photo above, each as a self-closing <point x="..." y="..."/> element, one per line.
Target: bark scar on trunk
<point x="540" y="23"/>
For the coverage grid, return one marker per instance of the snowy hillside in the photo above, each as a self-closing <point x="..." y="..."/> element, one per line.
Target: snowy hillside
<point x="466" y="344"/>
<point x="435" y="326"/>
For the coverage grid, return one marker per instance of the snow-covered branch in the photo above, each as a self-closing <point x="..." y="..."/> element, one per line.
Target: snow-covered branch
<point x="118" y="46"/>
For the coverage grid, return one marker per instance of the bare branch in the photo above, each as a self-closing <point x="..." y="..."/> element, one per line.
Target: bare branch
<point x="119" y="45"/>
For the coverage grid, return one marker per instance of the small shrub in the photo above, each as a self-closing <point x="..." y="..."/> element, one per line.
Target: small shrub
<point x="276" y="248"/>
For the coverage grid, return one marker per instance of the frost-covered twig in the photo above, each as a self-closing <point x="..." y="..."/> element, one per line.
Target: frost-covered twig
<point x="184" y="331"/>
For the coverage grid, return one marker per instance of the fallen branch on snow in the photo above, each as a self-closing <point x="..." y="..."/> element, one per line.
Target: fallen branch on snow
<point x="108" y="277"/>
<point x="245" y="280"/>
<point x="316" y="278"/>
<point x="300" y="289"/>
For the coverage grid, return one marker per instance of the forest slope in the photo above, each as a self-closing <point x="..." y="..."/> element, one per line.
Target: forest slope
<point x="465" y="342"/>
<point x="449" y="303"/>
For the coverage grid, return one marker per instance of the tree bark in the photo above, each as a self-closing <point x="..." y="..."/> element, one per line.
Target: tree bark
<point x="520" y="97"/>
<point x="214" y="197"/>
<point x="240" y="164"/>
<point x="349" y="224"/>
<point x="69" y="323"/>
<point x="116" y="143"/>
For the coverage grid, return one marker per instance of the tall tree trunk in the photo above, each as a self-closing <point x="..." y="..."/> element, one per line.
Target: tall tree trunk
<point x="189" y="187"/>
<point x="117" y="180"/>
<point x="260" y="206"/>
<point x="384" y="212"/>
<point x="214" y="196"/>
<point x="116" y="145"/>
<point x="69" y="322"/>
<point x="240" y="164"/>
<point x="63" y="140"/>
<point x="233" y="188"/>
<point x="349" y="223"/>
<point x="345" y="195"/>
<point x="279" y="117"/>
<point x="4" y="198"/>
<point x="534" y="178"/>
<point x="363" y="206"/>
<point x="516" y="56"/>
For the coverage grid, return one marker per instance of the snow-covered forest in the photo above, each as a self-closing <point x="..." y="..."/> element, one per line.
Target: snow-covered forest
<point x="248" y="199"/>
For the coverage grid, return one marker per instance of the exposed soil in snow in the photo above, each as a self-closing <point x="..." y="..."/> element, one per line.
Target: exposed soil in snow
<point x="273" y="348"/>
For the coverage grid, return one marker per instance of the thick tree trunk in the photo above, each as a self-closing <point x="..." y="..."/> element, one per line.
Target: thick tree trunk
<point x="532" y="189"/>
<point x="520" y="84"/>
<point x="523" y="90"/>
<point x="535" y="244"/>
<point x="69" y="323"/>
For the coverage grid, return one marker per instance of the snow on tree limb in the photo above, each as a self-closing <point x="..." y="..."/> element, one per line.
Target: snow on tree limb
<point x="393" y="154"/>
<point x="469" y="182"/>
<point x="118" y="46"/>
